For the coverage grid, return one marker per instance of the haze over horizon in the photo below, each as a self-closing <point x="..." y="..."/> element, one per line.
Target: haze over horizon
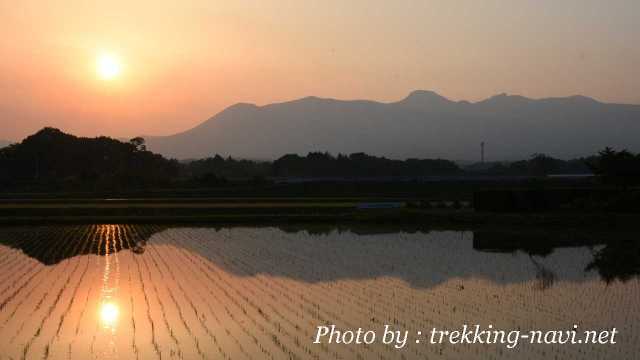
<point x="123" y="69"/>
<point x="286" y="101"/>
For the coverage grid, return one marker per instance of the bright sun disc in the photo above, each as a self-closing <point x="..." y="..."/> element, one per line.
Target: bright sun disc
<point x="108" y="66"/>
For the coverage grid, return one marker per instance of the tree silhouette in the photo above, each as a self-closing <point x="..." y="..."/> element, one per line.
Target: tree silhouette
<point x="52" y="160"/>
<point x="620" y="168"/>
<point x="139" y="143"/>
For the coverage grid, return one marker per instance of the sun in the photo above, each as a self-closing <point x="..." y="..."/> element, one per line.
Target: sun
<point x="108" y="66"/>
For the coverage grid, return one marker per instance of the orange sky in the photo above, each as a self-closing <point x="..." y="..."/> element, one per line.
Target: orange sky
<point x="185" y="61"/>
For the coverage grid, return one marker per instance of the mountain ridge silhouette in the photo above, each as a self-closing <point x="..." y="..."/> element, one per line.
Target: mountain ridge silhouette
<point x="424" y="124"/>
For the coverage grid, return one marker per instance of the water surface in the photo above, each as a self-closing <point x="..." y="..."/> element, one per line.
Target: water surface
<point x="147" y="292"/>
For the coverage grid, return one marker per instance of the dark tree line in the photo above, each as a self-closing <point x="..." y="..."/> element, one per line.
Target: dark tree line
<point x="52" y="160"/>
<point x="218" y="170"/>
<point x="318" y="164"/>
<point x="616" y="167"/>
<point x="541" y="165"/>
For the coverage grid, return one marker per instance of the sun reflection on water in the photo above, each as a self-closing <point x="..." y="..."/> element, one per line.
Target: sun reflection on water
<point x="109" y="312"/>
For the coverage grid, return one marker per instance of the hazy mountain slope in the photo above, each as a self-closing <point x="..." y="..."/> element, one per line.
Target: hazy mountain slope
<point x="423" y="125"/>
<point x="4" y="143"/>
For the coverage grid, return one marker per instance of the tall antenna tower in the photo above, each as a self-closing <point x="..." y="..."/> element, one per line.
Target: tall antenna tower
<point x="482" y="152"/>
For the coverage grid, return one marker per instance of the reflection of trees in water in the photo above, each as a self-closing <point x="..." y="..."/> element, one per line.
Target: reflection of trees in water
<point x="619" y="259"/>
<point x="139" y="246"/>
<point x="544" y="277"/>
<point x="52" y="244"/>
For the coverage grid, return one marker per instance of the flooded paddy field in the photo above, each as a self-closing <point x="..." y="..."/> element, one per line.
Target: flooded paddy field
<point x="152" y="292"/>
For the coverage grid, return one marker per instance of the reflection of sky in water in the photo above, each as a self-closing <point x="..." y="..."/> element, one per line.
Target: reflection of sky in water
<point x="423" y="260"/>
<point x="259" y="292"/>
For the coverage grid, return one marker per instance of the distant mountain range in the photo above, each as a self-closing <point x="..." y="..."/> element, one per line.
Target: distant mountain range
<point x="423" y="125"/>
<point x="4" y="143"/>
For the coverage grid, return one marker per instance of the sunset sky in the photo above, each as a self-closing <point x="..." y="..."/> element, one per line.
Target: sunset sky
<point x="125" y="68"/>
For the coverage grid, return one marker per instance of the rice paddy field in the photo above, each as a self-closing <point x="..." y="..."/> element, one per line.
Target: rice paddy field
<point x="161" y="292"/>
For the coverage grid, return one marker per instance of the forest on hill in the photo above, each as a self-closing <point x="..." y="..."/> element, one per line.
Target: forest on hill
<point x="52" y="160"/>
<point x="61" y="161"/>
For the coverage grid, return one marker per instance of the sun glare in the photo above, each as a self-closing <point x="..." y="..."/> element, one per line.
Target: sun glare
<point x="109" y="314"/>
<point x="108" y="66"/>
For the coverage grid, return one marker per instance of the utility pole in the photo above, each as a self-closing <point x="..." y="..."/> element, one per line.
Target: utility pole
<point x="482" y="152"/>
